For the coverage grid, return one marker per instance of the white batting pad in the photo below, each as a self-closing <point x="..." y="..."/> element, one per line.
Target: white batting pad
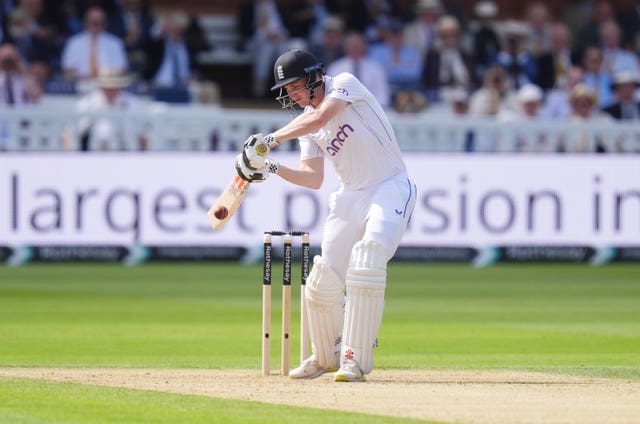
<point x="325" y="312"/>
<point x="366" y="282"/>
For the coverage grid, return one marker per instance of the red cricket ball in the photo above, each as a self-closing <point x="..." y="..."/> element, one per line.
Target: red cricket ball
<point x="221" y="212"/>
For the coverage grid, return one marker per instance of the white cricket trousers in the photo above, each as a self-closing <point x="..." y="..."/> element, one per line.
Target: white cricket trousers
<point x="380" y="213"/>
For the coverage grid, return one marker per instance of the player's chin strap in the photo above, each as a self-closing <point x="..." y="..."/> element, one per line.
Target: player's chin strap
<point x="315" y="80"/>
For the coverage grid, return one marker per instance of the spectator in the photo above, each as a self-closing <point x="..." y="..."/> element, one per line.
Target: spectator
<point x="378" y="19"/>
<point x="519" y="64"/>
<point x="301" y="18"/>
<point x="486" y="43"/>
<point x="93" y="49"/>
<point x="80" y="7"/>
<point x="409" y="102"/>
<point x="420" y="33"/>
<point x="529" y="101"/>
<point x="629" y="21"/>
<point x="626" y="106"/>
<point x="583" y="101"/>
<point x="457" y="100"/>
<point x="264" y="33"/>
<point x="170" y="63"/>
<point x="355" y="14"/>
<point x="614" y="58"/>
<point x="445" y="65"/>
<point x="330" y="48"/>
<point x="121" y="132"/>
<point x="17" y="87"/>
<point x="74" y="11"/>
<point x="589" y="34"/>
<point x="555" y="64"/>
<point x="595" y="77"/>
<point x="367" y="70"/>
<point x="35" y="46"/>
<point x="321" y="13"/>
<point x="47" y="18"/>
<point x="72" y="16"/>
<point x="195" y="38"/>
<point x="494" y="95"/>
<point x="6" y="7"/>
<point x="556" y="104"/>
<point x="539" y="38"/>
<point x="132" y="22"/>
<point x="402" y="10"/>
<point x="402" y="63"/>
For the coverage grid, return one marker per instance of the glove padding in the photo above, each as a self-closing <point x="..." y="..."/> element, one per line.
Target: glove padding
<point x="255" y="151"/>
<point x="255" y="175"/>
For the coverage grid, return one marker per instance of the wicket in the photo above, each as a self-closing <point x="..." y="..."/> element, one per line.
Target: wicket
<point x="287" y="237"/>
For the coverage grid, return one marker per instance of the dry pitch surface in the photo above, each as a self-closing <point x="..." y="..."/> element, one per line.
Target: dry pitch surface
<point x="450" y="396"/>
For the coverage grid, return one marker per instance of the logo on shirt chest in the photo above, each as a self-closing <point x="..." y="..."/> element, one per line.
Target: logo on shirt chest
<point x="335" y="144"/>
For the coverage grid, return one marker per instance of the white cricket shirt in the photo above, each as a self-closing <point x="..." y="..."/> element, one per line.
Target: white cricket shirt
<point x="359" y="141"/>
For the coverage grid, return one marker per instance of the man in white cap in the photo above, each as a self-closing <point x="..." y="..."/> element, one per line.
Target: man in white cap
<point x="525" y="138"/>
<point x="110" y="132"/>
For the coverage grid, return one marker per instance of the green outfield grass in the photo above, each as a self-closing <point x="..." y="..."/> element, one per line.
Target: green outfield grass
<point x="571" y="319"/>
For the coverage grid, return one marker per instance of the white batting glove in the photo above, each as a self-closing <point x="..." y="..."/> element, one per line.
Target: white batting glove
<point x="247" y="173"/>
<point x="255" y="151"/>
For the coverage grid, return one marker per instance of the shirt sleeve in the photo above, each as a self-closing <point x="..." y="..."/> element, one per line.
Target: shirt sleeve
<point x="309" y="149"/>
<point x="346" y="87"/>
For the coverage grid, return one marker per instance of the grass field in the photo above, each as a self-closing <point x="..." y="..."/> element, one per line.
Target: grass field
<point x="571" y="319"/>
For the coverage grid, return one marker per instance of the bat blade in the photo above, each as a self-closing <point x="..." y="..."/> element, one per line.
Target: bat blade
<point x="231" y="198"/>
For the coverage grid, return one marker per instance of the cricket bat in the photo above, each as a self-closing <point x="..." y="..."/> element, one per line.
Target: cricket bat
<point x="228" y="202"/>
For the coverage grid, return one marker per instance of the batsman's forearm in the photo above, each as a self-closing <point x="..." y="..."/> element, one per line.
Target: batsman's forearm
<point x="301" y="177"/>
<point x="303" y="124"/>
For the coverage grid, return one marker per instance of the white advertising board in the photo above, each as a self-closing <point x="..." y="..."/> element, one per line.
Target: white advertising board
<point x="463" y="200"/>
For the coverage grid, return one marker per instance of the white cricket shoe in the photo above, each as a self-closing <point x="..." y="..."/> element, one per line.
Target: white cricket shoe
<point x="309" y="369"/>
<point x="350" y="372"/>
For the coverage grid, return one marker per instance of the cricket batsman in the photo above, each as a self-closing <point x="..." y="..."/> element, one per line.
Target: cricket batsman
<point x="341" y="121"/>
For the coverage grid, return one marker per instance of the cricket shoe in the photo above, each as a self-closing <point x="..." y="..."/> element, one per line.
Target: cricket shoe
<point x="350" y="372"/>
<point x="309" y="369"/>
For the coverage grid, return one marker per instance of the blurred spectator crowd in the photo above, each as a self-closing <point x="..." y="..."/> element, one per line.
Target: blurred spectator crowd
<point x="60" y="47"/>
<point x="415" y="56"/>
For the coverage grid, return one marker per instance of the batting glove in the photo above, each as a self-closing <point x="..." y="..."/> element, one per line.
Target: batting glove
<point x="249" y="174"/>
<point x="254" y="151"/>
<point x="272" y="166"/>
<point x="271" y="141"/>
